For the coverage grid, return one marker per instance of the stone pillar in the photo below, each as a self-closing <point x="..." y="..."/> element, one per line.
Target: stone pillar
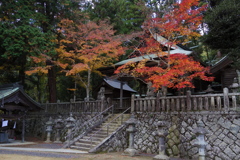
<point x="201" y="143"/>
<point x="49" y="129"/>
<point x="131" y="129"/>
<point x="161" y="125"/>
<point x="58" y="126"/>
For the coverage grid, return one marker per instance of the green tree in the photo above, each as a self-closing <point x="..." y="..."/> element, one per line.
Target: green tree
<point x="223" y="20"/>
<point x="20" y="35"/>
<point x="125" y="15"/>
<point x="28" y="28"/>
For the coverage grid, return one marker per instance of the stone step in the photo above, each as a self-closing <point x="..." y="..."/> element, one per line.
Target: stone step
<point x="86" y="145"/>
<point x="80" y="148"/>
<point x="97" y="135"/>
<point x="88" y="141"/>
<point x="104" y="130"/>
<point x="112" y="125"/>
<point x="93" y="138"/>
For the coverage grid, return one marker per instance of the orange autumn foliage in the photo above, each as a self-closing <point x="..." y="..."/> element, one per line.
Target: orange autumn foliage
<point x="178" y="25"/>
<point x="180" y="74"/>
<point x="180" y="21"/>
<point x="90" y="45"/>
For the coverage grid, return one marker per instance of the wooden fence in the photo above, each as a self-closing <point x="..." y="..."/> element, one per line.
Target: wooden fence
<point x="207" y="102"/>
<point x="83" y="106"/>
<point x="75" y="107"/>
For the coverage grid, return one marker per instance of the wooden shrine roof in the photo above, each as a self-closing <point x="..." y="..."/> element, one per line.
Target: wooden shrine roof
<point x="13" y="97"/>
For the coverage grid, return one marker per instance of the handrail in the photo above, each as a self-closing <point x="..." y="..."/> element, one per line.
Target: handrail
<point x="84" y="124"/>
<point x="107" y="125"/>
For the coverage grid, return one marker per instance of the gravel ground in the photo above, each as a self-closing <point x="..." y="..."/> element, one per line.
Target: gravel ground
<point x="40" y="154"/>
<point x="36" y="155"/>
<point x="40" y="145"/>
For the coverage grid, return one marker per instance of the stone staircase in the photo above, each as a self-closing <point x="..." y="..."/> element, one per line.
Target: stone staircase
<point x="100" y="133"/>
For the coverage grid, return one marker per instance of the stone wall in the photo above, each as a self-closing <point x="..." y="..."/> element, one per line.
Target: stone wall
<point x="223" y="135"/>
<point x="117" y="141"/>
<point x="36" y="124"/>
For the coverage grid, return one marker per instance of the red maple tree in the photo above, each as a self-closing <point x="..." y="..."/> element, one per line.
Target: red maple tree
<point x="176" y="70"/>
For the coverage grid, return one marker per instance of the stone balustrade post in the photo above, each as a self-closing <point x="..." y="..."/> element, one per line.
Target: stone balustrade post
<point x="161" y="125"/>
<point x="131" y="129"/>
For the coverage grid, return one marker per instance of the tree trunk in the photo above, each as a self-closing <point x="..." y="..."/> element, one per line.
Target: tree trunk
<point x="21" y="76"/>
<point x="52" y="83"/>
<point x="88" y="87"/>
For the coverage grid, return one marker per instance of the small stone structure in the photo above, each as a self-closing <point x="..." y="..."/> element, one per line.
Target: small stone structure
<point x="131" y="129"/>
<point x="58" y="126"/>
<point x="49" y="129"/>
<point x="162" y="146"/>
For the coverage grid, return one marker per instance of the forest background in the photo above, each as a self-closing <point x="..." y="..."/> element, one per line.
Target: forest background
<point x="51" y="46"/>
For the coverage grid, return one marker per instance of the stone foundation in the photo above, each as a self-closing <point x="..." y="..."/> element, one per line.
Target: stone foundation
<point x="223" y="136"/>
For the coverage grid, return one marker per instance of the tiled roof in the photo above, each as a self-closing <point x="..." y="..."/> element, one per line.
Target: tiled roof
<point x="117" y="84"/>
<point x="152" y="56"/>
<point x="8" y="90"/>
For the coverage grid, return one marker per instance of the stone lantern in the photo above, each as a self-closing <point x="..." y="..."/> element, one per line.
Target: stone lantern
<point x="201" y="143"/>
<point x="49" y="125"/>
<point x="235" y="86"/>
<point x="161" y="132"/>
<point x="58" y="126"/>
<point x="70" y="124"/>
<point x="131" y="129"/>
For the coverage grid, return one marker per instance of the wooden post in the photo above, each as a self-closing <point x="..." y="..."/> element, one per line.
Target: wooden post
<point x="173" y="105"/>
<point x="234" y="102"/>
<point x="132" y="103"/>
<point x="70" y="108"/>
<point x="163" y="104"/>
<point x="46" y="107"/>
<point x="149" y="105"/>
<point x="200" y="103"/>
<point x="139" y="105"/>
<point x="219" y="105"/>
<point x="158" y="102"/>
<point x="102" y="104"/>
<point x="121" y="94"/>
<point x="23" y="129"/>
<point x="178" y="104"/>
<point x="212" y="103"/>
<point x="195" y="104"/>
<point x="58" y="108"/>
<point x="225" y="98"/>
<point x="168" y="105"/>
<point x="153" y="105"/>
<point x="145" y="105"/>
<point x="189" y="105"/>
<point x="206" y="106"/>
<point x="183" y="105"/>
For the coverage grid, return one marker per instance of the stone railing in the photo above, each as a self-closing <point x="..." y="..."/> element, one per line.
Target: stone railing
<point x="208" y="102"/>
<point x="80" y="129"/>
